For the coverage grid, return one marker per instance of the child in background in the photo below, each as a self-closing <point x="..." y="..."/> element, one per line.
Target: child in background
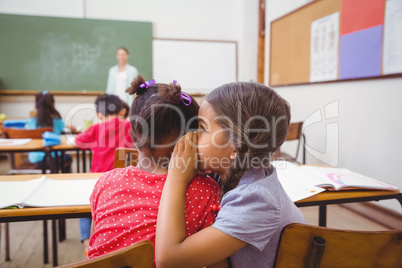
<point x="240" y="126"/>
<point x="103" y="139"/>
<point x="124" y="202"/>
<point x="47" y="116"/>
<point x="127" y="109"/>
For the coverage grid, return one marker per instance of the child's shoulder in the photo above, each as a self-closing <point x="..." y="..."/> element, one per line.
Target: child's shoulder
<point x="204" y="182"/>
<point x="115" y="173"/>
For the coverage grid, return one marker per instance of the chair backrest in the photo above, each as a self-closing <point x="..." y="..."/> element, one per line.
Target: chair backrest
<point x="138" y="255"/>
<point x="304" y="245"/>
<point x="18" y="133"/>
<point x="124" y="157"/>
<point x="294" y="131"/>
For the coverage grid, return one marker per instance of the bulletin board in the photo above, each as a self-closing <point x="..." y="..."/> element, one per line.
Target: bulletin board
<point x="337" y="40"/>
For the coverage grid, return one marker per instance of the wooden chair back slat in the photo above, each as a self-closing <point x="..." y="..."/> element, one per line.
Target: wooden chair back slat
<point x="124" y="157"/>
<point x="344" y="248"/>
<point x="294" y="131"/>
<point x="138" y="255"/>
<point x="17" y="133"/>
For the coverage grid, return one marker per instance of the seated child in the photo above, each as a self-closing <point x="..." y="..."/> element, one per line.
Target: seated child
<point x="241" y="125"/>
<point x="124" y="202"/>
<point x="47" y="116"/>
<point x="103" y="139"/>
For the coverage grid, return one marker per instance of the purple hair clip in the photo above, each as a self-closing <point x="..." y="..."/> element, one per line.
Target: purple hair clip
<point x="147" y="84"/>
<point x="185" y="98"/>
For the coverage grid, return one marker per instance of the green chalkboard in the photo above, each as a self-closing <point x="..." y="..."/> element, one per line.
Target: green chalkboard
<point x="66" y="54"/>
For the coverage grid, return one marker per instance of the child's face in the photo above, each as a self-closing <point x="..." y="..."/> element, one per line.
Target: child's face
<point x="216" y="153"/>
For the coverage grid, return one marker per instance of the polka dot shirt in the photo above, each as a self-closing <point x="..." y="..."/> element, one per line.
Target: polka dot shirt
<point x="124" y="205"/>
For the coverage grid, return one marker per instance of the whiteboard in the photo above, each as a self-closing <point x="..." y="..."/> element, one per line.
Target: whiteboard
<point x="198" y="66"/>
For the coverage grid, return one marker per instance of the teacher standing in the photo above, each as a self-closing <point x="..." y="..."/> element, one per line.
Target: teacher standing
<point x="120" y="76"/>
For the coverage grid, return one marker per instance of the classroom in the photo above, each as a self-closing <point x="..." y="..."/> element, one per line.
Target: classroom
<point x="349" y="122"/>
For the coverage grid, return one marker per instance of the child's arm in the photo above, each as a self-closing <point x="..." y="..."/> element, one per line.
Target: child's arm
<point x="87" y="139"/>
<point x="172" y="248"/>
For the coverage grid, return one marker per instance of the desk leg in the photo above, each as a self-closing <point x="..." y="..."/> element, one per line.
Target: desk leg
<point x="54" y="241"/>
<point x="45" y="245"/>
<point x="62" y="230"/>
<point x="84" y="164"/>
<point x="56" y="159"/>
<point x="62" y="161"/>
<point x="78" y="161"/>
<point x="7" y="241"/>
<point x="322" y="215"/>
<point x="90" y="159"/>
<point x="44" y="163"/>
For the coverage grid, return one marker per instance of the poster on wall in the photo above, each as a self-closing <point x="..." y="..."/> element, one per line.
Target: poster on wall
<point x="392" y="52"/>
<point x="324" y="48"/>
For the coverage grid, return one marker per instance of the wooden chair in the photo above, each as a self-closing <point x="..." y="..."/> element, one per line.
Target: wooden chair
<point x="294" y="133"/>
<point x="140" y="254"/>
<point x="124" y="157"/>
<point x="17" y="133"/>
<point x="304" y="245"/>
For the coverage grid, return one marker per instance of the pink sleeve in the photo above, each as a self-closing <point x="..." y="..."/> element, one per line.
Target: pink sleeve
<point x="214" y="205"/>
<point x="202" y="203"/>
<point x="88" y="138"/>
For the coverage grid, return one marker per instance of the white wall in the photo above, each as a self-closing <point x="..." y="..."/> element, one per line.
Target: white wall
<point x="227" y="20"/>
<point x="366" y="130"/>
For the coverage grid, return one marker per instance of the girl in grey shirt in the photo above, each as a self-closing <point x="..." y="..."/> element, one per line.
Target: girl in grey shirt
<point x="240" y="126"/>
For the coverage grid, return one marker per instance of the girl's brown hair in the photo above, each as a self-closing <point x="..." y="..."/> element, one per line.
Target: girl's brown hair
<point x="256" y="120"/>
<point x="44" y="103"/>
<point x="158" y="113"/>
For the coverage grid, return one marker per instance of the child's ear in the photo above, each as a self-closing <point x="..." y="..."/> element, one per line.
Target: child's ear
<point x="233" y="155"/>
<point x="100" y="116"/>
<point x="122" y="112"/>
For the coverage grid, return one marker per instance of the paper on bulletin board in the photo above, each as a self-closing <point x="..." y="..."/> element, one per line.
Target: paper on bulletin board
<point x="392" y="53"/>
<point x="324" y="44"/>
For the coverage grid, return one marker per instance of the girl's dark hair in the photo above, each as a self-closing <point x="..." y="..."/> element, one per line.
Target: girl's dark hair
<point x="123" y="48"/>
<point x="125" y="106"/>
<point x="108" y="104"/>
<point x="44" y="103"/>
<point x="158" y="112"/>
<point x="256" y="119"/>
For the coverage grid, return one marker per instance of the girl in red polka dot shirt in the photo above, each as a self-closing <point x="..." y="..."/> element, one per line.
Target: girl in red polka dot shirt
<point x="125" y="201"/>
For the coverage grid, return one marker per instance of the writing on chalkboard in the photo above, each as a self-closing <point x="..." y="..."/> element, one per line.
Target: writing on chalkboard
<point x="67" y="54"/>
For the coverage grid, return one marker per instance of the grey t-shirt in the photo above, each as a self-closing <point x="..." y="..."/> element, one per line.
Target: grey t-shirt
<point x="256" y="212"/>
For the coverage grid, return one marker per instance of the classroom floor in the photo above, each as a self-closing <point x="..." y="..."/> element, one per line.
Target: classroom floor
<point x="26" y="247"/>
<point x="26" y="240"/>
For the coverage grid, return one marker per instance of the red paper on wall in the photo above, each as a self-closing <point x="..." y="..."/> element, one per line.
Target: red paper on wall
<point x="357" y="15"/>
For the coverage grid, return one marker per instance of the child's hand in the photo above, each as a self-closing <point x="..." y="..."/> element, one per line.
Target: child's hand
<point x="183" y="163"/>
